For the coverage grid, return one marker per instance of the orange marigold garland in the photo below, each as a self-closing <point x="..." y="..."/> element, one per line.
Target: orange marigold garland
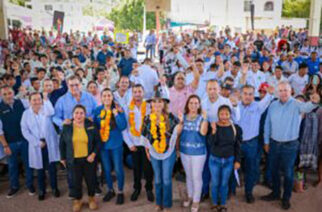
<point x="105" y="124"/>
<point x="133" y="130"/>
<point x="159" y="145"/>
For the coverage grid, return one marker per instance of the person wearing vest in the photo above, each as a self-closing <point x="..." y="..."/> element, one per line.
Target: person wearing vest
<point x="224" y="142"/>
<point x="13" y="142"/>
<point x="193" y="149"/>
<point x="79" y="145"/>
<point x="43" y="149"/>
<point x="159" y="135"/>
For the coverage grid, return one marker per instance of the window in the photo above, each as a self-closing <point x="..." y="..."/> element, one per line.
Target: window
<point x="247" y="6"/>
<point x="269" y="6"/>
<point x="48" y="7"/>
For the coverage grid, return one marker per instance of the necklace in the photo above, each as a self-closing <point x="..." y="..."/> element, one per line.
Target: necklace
<point x="158" y="144"/>
<point x="133" y="130"/>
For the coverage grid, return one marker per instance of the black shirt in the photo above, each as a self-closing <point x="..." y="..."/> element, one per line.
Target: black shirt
<point x="224" y="143"/>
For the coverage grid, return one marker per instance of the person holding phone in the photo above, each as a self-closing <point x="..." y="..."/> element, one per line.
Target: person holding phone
<point x="79" y="145"/>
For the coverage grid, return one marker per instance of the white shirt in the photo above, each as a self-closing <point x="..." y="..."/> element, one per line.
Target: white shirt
<point x="148" y="78"/>
<point x="255" y="79"/>
<point x="212" y="108"/>
<point x="298" y="83"/>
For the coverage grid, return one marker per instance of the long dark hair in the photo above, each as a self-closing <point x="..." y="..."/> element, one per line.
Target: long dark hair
<point x="186" y="107"/>
<point x="112" y="121"/>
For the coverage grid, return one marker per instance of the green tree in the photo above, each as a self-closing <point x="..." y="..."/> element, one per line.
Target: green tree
<point x="129" y="16"/>
<point x="298" y="9"/>
<point x="18" y="2"/>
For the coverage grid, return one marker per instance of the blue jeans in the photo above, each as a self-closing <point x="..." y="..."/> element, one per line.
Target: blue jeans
<point x="220" y="169"/>
<point x="163" y="180"/>
<point x="41" y="173"/>
<point x="249" y="153"/>
<point x="283" y="156"/>
<point x="206" y="177"/>
<point x="113" y="158"/>
<point x="17" y="148"/>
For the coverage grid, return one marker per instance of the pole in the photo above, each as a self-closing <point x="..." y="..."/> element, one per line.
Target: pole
<point x="314" y="22"/>
<point x="157" y="19"/>
<point x="144" y="20"/>
<point x="3" y="20"/>
<point x="252" y="13"/>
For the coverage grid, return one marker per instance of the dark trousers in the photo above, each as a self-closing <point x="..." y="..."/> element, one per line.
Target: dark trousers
<point x="249" y="153"/>
<point x="19" y="149"/>
<point x="283" y="156"/>
<point x="142" y="164"/>
<point x="83" y="169"/>
<point x="41" y="173"/>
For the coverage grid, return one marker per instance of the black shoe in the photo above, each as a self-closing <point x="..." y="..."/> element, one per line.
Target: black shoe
<point x="98" y="191"/>
<point x="32" y="191"/>
<point x="150" y="196"/>
<point x="12" y="192"/>
<point x="120" y="199"/>
<point x="71" y="196"/>
<point x="56" y="192"/>
<point x="250" y="198"/>
<point x="135" y="195"/>
<point x="41" y="197"/>
<point x="110" y="194"/>
<point x="286" y="204"/>
<point x="204" y="197"/>
<point x="222" y="209"/>
<point x="270" y="197"/>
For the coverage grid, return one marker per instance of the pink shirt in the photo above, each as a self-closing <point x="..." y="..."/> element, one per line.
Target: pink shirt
<point x="178" y="98"/>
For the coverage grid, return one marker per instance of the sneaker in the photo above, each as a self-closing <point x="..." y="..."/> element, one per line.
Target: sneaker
<point x="12" y="192"/>
<point x="71" y="196"/>
<point x="41" y="197"/>
<point x="110" y="194"/>
<point x="222" y="209"/>
<point x="150" y="196"/>
<point x="195" y="207"/>
<point x="204" y="197"/>
<point x="56" y="193"/>
<point x="187" y="203"/>
<point x="286" y="204"/>
<point x="270" y="197"/>
<point x="135" y="195"/>
<point x="250" y="198"/>
<point x="120" y="199"/>
<point x="32" y="191"/>
<point x="98" y="191"/>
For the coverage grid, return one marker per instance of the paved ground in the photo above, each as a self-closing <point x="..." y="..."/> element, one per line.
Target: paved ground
<point x="309" y="201"/>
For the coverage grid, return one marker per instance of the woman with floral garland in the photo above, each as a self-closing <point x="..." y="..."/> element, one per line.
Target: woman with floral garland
<point x="110" y="121"/>
<point x="160" y="134"/>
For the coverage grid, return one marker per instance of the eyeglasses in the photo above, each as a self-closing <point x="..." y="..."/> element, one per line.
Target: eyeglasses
<point x="74" y="85"/>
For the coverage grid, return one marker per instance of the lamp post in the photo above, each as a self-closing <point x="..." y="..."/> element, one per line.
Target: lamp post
<point x="252" y="13"/>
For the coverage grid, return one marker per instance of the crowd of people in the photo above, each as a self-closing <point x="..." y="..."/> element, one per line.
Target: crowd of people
<point x="218" y="109"/>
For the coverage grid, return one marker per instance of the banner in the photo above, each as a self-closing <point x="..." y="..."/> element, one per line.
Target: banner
<point x="58" y="21"/>
<point x="121" y="37"/>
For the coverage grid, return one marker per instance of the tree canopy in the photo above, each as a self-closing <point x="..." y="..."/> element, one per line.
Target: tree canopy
<point x="129" y="16"/>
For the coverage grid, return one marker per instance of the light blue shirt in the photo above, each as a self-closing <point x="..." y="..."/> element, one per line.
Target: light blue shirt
<point x="65" y="105"/>
<point x="150" y="39"/>
<point x="283" y="120"/>
<point x="250" y="116"/>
